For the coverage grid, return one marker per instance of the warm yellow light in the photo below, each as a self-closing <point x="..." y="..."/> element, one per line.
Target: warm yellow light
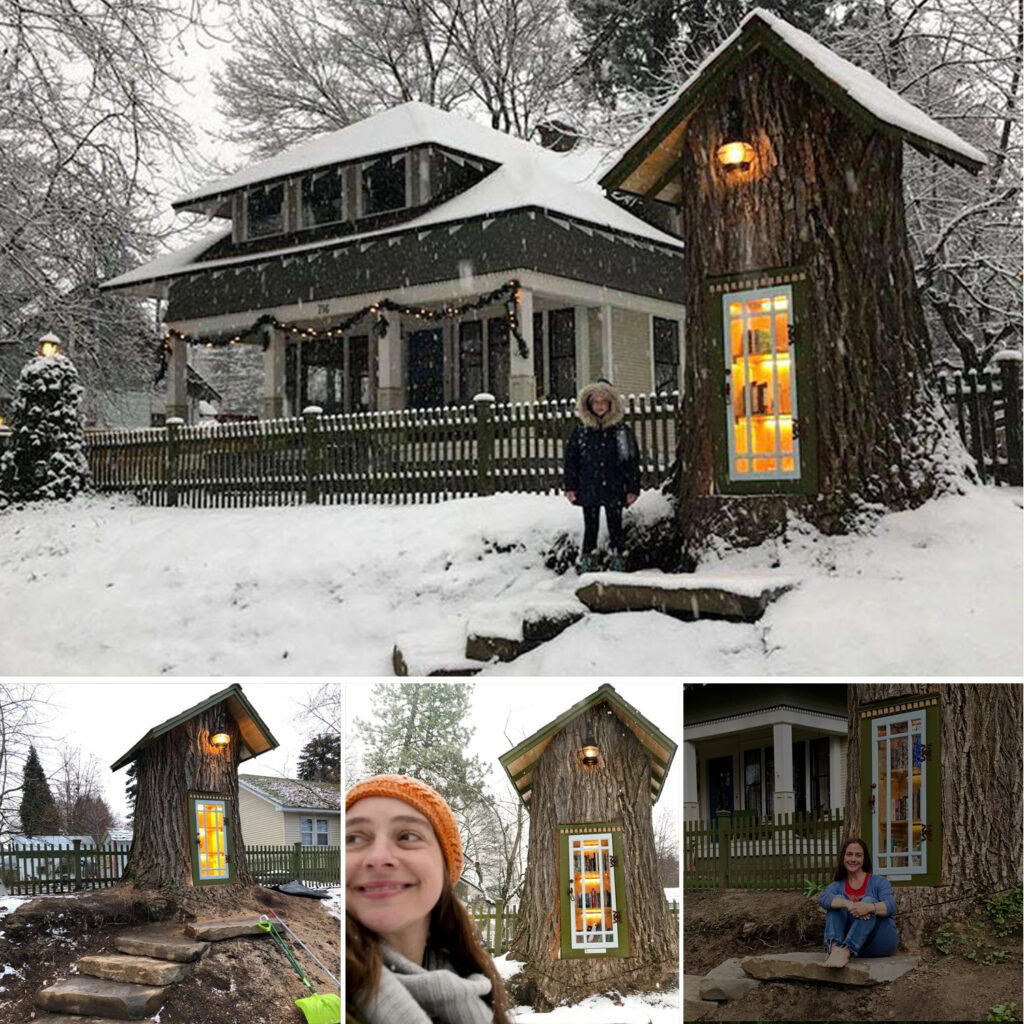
<point x="220" y="739"/>
<point x="49" y="345"/>
<point x="590" y="755"/>
<point x="736" y="155"/>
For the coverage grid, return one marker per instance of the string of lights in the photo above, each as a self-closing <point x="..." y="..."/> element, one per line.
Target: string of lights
<point x="508" y="292"/>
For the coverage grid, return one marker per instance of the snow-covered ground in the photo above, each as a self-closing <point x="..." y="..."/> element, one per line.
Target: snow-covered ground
<point x="102" y="586"/>
<point x="649" y="1008"/>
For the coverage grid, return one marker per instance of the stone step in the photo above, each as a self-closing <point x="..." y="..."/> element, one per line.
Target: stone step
<point x="726" y="981"/>
<point x="505" y="632"/>
<point x="689" y="596"/>
<point x="162" y="943"/>
<point x="138" y="970"/>
<point x="808" y="967"/>
<point x="113" y="999"/>
<point x="224" y="928"/>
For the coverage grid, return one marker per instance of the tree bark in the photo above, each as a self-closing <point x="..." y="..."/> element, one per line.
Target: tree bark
<point x="824" y="195"/>
<point x="566" y="793"/>
<point x="982" y="791"/>
<point x="178" y="762"/>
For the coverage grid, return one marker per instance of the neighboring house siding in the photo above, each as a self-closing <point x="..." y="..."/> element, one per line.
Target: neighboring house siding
<point x="293" y="827"/>
<point x="631" y="350"/>
<point x="261" y="824"/>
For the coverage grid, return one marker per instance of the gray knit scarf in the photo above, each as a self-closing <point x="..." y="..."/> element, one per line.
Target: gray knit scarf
<point x="410" y="994"/>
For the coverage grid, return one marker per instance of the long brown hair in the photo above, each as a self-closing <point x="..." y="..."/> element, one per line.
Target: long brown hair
<point x="841" y="871"/>
<point x="452" y="932"/>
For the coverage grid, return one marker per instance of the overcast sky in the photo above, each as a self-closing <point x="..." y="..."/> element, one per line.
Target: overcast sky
<point x="106" y="719"/>
<point x="518" y="709"/>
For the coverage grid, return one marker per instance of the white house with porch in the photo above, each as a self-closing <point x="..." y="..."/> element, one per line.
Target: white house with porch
<point x="766" y="748"/>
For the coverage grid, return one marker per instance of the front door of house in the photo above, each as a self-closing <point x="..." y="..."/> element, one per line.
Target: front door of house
<point x="719" y="786"/>
<point x="426" y="369"/>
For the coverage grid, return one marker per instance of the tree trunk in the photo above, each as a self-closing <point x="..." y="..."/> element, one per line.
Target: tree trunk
<point x="824" y="195"/>
<point x="982" y="790"/>
<point x="180" y="761"/>
<point x="566" y="793"/>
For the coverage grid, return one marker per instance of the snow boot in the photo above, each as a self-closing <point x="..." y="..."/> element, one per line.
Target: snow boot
<point x="616" y="565"/>
<point x="584" y="565"/>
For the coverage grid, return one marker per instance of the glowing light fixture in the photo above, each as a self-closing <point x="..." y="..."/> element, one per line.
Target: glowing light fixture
<point x="589" y="753"/>
<point x="220" y="739"/>
<point x="49" y="345"/>
<point x="736" y="155"/>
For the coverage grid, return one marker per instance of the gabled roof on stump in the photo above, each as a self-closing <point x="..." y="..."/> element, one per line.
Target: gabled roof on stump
<point x="256" y="737"/>
<point x="648" y="164"/>
<point x="520" y="761"/>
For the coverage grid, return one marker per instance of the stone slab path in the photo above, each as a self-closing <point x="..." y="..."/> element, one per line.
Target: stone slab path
<point x="808" y="967"/>
<point x="225" y="928"/>
<point x="84" y="995"/>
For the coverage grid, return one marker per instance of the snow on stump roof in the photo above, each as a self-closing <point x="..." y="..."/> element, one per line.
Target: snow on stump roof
<point x="848" y="87"/>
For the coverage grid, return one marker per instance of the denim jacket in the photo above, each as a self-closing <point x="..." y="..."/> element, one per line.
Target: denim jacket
<point x="878" y="890"/>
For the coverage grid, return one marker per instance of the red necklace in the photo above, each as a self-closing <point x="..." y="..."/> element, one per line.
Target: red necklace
<point x="850" y="891"/>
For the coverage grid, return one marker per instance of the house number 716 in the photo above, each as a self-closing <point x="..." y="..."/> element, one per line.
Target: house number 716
<point x="323" y="307"/>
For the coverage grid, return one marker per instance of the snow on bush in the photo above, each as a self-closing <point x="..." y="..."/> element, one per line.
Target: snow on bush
<point x="45" y="454"/>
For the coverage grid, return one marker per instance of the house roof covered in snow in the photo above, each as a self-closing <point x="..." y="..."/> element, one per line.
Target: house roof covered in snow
<point x="521" y="761"/>
<point x="527" y="177"/>
<point x="651" y="157"/>
<point x="50" y="842"/>
<point x="294" y="794"/>
<point x="256" y="737"/>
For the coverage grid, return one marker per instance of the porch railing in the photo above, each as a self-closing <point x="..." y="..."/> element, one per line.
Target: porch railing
<point x="754" y="852"/>
<point x="406" y="456"/>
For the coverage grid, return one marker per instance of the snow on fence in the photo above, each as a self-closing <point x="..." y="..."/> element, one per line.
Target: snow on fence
<point x="37" y="869"/>
<point x="496" y="923"/>
<point x="404" y="456"/>
<point x="986" y="407"/>
<point x="748" y="851"/>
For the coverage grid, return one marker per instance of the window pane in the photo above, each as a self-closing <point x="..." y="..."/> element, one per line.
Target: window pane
<point x="266" y="211"/>
<point x="666" y="355"/>
<point x="471" y="361"/>
<point x="323" y="198"/>
<point x="384" y="185"/>
<point x="562" y="347"/>
<point x="498" y="367"/>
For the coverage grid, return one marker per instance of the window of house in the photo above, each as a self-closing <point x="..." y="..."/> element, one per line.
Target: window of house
<point x="265" y="206"/>
<point x="763" y="443"/>
<point x="752" y="780"/>
<point x="539" y="376"/>
<point x="562" y="349"/>
<point x="452" y="174"/>
<point x="666" y="355"/>
<point x="323" y="197"/>
<point x="819" y="776"/>
<point x="383" y="183"/>
<point x="471" y="361"/>
<point x="498" y="358"/>
<point x="210" y="839"/>
<point x="769" y="780"/>
<point x="799" y="777"/>
<point x="593" y="902"/>
<point x="314" y="831"/>
<point x="360" y="398"/>
<point x="900" y="788"/>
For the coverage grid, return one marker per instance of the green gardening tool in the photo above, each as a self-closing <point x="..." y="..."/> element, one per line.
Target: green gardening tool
<point x="318" y="1008"/>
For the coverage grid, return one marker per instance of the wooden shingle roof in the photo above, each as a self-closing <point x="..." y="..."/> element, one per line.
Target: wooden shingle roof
<point x="519" y="763"/>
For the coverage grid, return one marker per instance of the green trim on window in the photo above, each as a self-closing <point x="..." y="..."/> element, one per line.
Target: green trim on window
<point x="566" y="907"/>
<point x="931" y="704"/>
<point x="190" y="815"/>
<point x="804" y="349"/>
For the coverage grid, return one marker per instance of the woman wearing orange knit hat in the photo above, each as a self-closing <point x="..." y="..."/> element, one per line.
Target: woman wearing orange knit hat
<point x="403" y="856"/>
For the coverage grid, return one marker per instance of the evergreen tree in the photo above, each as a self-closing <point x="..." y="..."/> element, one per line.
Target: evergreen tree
<point x="38" y="811"/>
<point x="320" y="759"/>
<point x="46" y="456"/>
<point x="419" y="730"/>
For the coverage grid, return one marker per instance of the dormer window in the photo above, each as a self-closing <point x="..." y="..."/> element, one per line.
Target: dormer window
<point x="384" y="184"/>
<point x="265" y="205"/>
<point x="323" y="197"/>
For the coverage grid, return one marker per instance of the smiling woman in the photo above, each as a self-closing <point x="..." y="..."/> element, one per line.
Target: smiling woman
<point x="403" y="855"/>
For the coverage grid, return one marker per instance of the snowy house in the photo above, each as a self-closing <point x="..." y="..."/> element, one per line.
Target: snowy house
<point x="46" y="866"/>
<point x="285" y="811"/>
<point x="763" y="749"/>
<point x="415" y="259"/>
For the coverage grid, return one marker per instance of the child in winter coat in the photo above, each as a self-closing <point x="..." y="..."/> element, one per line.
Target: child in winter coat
<point x="602" y="467"/>
<point x="412" y="954"/>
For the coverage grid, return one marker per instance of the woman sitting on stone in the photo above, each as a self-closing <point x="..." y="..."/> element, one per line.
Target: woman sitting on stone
<point x="859" y="909"/>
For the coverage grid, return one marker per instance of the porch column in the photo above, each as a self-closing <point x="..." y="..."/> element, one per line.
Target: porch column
<point x="582" y="320"/>
<point x="835" y="797"/>
<point x="390" y="393"/>
<point x="273" y="374"/>
<point x="607" y="369"/>
<point x="177" y="393"/>
<point x="785" y="801"/>
<point x="690" y="805"/>
<point x="522" y="387"/>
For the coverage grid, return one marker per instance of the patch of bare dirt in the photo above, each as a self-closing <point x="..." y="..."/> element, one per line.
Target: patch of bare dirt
<point x="943" y="987"/>
<point x="244" y="979"/>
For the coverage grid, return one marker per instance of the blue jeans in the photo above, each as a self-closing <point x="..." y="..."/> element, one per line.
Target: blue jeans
<point x="858" y="935"/>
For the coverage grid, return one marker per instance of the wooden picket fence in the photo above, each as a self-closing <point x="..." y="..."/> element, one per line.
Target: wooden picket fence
<point x="986" y="408"/>
<point x="496" y="923"/>
<point x="36" y="869"/>
<point x="405" y="456"/>
<point x="752" y="852"/>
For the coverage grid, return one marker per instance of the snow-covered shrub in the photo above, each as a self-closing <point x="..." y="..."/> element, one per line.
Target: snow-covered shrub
<point x="44" y="457"/>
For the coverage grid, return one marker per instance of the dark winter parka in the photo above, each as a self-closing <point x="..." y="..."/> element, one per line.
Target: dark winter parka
<point x="602" y="461"/>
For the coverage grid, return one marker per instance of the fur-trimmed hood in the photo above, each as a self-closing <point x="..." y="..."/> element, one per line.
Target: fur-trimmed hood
<point x="586" y="415"/>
